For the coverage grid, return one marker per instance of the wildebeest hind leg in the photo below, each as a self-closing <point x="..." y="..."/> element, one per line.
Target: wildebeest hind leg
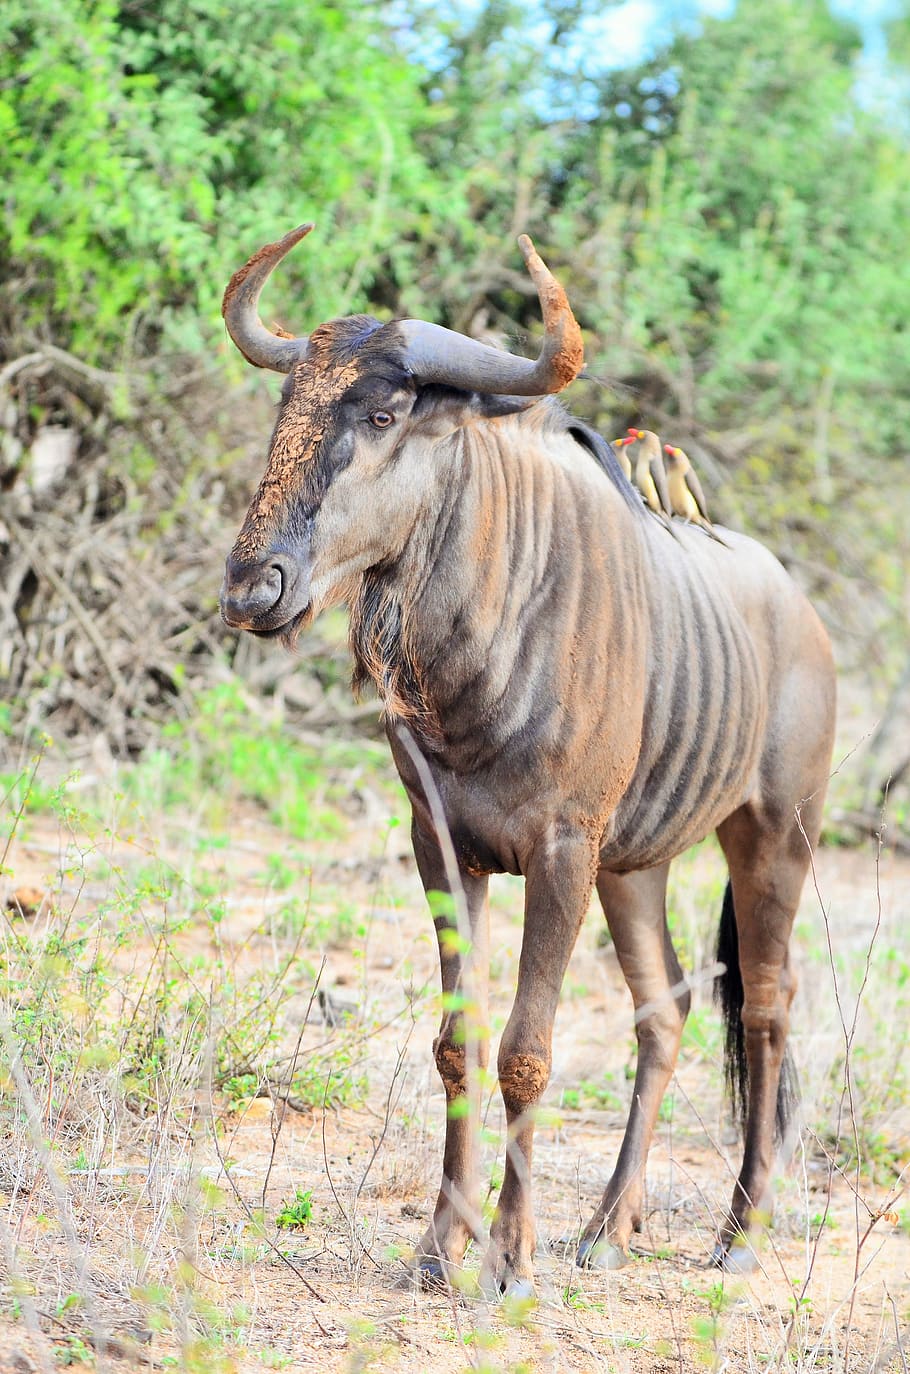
<point x="635" y="908"/>
<point x="460" y="1055"/>
<point x="768" y="859"/>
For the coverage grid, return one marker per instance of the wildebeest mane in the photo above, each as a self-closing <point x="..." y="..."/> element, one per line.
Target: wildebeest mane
<point x="602" y="453"/>
<point x="382" y="656"/>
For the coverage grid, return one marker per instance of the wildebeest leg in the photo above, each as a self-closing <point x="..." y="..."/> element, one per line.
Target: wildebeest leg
<point x="558" y="885"/>
<point x="456" y="1217"/>
<point x="635" y="908"/>
<point x="768" y="861"/>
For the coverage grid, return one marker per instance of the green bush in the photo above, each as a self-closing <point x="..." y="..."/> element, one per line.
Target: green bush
<point x="147" y="150"/>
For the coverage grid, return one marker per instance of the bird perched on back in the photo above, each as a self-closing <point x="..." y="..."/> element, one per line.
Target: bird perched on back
<point x="686" y="496"/>
<point x="619" y="448"/>
<point x="650" y="473"/>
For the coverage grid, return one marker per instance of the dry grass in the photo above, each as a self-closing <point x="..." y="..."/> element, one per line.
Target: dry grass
<point x="206" y="1015"/>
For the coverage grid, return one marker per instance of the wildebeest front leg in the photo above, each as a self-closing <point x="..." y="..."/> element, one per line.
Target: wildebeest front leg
<point x="557" y="889"/>
<point x="635" y="907"/>
<point x="460" y="1052"/>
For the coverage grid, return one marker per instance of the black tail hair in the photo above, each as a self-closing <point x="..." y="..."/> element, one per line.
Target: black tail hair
<point x="728" y="994"/>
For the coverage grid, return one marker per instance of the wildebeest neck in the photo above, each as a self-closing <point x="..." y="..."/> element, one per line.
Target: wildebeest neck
<point x="453" y="630"/>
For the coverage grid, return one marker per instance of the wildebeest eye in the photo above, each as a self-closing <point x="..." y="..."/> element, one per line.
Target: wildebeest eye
<point x="381" y="419"/>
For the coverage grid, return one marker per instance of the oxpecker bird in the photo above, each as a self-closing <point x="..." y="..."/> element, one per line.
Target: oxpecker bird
<point x="619" y="448"/>
<point x="650" y="473"/>
<point x="686" y="495"/>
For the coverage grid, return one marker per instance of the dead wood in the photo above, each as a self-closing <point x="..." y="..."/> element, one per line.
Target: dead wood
<point x="116" y="510"/>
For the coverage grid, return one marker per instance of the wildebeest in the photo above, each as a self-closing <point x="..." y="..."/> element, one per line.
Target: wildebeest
<point x="587" y="695"/>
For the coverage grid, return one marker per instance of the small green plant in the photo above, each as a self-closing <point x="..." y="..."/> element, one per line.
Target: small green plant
<point x="799" y="1302"/>
<point x="330" y="1080"/>
<point x="336" y="924"/>
<point x="240" y="1089"/>
<point x="24" y="791"/>
<point x="602" y="1094"/>
<point x="575" y="1297"/>
<point x="75" y="1351"/>
<point x="275" y="1359"/>
<point x="279" y="874"/>
<point x="294" y="1216"/>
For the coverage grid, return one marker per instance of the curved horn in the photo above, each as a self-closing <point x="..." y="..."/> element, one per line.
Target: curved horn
<point x="436" y="354"/>
<point x="259" y="345"/>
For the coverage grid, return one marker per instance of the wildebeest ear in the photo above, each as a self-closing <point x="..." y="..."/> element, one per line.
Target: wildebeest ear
<point x="441" y="409"/>
<point x="492" y="406"/>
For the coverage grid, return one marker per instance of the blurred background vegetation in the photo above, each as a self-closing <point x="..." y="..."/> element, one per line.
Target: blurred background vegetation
<point x="728" y="209"/>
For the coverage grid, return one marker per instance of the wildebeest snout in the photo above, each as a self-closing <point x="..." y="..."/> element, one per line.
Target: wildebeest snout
<point x="258" y="596"/>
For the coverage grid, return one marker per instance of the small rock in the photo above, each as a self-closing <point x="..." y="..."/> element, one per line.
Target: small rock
<point x="53" y="450"/>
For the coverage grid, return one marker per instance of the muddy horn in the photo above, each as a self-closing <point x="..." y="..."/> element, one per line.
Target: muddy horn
<point x="259" y="345"/>
<point x="436" y="354"/>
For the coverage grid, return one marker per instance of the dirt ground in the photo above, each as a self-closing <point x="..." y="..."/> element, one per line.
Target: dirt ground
<point x="831" y="1290"/>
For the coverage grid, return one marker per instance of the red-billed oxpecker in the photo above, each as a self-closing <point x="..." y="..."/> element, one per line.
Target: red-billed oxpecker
<point x="650" y="474"/>
<point x="686" y="495"/>
<point x="569" y="695"/>
<point x="619" y="447"/>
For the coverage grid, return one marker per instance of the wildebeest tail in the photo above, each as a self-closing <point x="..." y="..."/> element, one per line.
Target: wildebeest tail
<point x="728" y="993"/>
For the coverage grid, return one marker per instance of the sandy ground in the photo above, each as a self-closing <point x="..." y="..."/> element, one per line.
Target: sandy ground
<point x="832" y="1285"/>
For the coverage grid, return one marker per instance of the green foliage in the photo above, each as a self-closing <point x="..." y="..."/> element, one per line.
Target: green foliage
<point x="708" y="1329"/>
<point x="18" y="790"/>
<point x="753" y="261"/>
<point x="74" y="1351"/>
<point x="727" y="201"/>
<point x="295" y="1215"/>
<point x="222" y="745"/>
<point x="593" y="1094"/>
<point x="147" y="149"/>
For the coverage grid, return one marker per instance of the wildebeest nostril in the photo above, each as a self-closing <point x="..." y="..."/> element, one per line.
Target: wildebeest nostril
<point x="262" y="591"/>
<point x="249" y="593"/>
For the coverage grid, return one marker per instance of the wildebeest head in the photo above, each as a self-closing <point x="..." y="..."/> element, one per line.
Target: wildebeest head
<point x="338" y="494"/>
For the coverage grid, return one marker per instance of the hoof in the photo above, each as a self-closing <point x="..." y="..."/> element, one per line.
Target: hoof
<point x="739" y="1259"/>
<point x="519" y="1291"/>
<point x="431" y="1273"/>
<point x="499" y="1283"/>
<point x="601" y="1254"/>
